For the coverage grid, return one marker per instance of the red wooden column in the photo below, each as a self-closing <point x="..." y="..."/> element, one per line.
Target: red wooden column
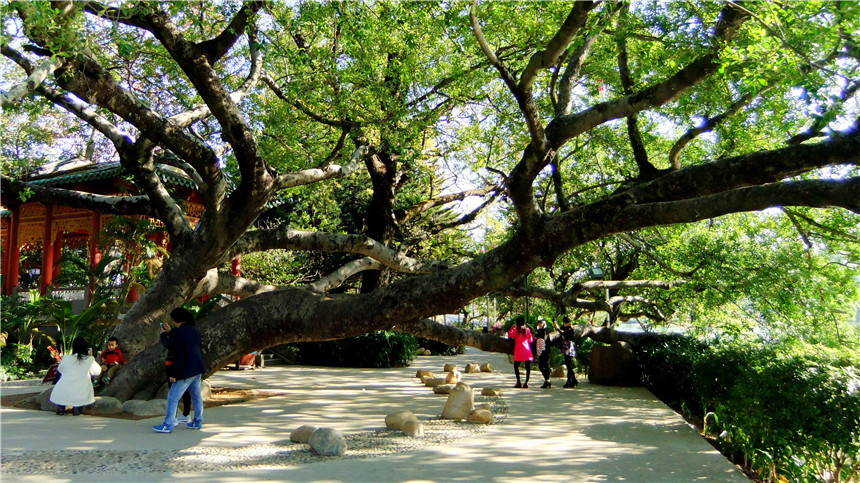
<point x="93" y="249"/>
<point x="12" y="253"/>
<point x="58" y="252"/>
<point x="47" y="251"/>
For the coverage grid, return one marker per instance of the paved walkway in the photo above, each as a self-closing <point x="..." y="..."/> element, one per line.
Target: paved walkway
<point x="591" y="433"/>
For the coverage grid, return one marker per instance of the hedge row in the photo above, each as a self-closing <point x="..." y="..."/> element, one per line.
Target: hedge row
<point x="785" y="413"/>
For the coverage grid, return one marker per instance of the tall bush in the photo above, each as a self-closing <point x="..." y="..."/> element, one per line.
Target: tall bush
<point x="377" y="349"/>
<point x="789" y="412"/>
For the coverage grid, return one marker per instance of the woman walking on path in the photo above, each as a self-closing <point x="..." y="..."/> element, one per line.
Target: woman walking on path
<point x="568" y="349"/>
<point x="543" y="352"/>
<point x="75" y="387"/>
<point x="523" y="339"/>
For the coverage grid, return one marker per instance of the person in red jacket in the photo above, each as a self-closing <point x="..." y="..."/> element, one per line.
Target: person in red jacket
<point x="523" y="339"/>
<point x="111" y="359"/>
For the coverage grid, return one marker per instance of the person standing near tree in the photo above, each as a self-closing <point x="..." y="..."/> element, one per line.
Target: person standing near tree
<point x="165" y="337"/>
<point x="185" y="371"/>
<point x="543" y="351"/>
<point x="568" y="349"/>
<point x="523" y="338"/>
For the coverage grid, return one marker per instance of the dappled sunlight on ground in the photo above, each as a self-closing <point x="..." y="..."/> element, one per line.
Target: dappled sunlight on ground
<point x="590" y="433"/>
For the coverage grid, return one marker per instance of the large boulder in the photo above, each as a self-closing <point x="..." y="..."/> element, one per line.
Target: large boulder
<point x="472" y="368"/>
<point x="487" y="367"/>
<point x="560" y="371"/>
<point x="434" y="381"/>
<point x="302" y="434"/>
<point x="613" y="365"/>
<point x="480" y="416"/>
<point x="414" y="429"/>
<point x="443" y="389"/>
<point x="327" y="442"/>
<point x="491" y="391"/>
<point x="154" y="407"/>
<point x="460" y="402"/>
<point x="449" y="367"/>
<point x="133" y="405"/>
<point x="43" y="400"/>
<point x="453" y="377"/>
<point x="398" y="419"/>
<point x="422" y="373"/>
<point x="107" y="405"/>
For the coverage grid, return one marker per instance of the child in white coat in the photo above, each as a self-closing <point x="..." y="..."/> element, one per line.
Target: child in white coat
<point x="75" y="387"/>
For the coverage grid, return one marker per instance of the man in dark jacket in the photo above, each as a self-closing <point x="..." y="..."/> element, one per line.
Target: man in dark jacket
<point x="186" y="369"/>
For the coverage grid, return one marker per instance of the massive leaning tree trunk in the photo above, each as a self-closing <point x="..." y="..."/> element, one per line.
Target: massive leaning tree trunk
<point x="267" y="315"/>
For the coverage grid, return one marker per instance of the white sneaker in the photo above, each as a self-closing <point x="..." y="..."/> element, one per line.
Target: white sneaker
<point x="181" y="420"/>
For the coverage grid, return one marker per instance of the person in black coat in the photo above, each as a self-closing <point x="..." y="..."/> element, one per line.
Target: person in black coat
<point x="165" y="337"/>
<point x="568" y="349"/>
<point x="185" y="352"/>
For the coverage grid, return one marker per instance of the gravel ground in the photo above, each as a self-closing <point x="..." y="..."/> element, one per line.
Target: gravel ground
<point x="255" y="457"/>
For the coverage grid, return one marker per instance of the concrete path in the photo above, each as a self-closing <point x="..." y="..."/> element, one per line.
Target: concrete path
<point x="591" y="433"/>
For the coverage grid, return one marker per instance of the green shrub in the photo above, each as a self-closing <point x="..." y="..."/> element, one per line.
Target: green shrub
<point x="439" y="348"/>
<point x="666" y="368"/>
<point x="377" y="349"/>
<point x="794" y="417"/>
<point x="790" y="412"/>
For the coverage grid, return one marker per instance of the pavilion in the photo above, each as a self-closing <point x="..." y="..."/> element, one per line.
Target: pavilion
<point x="32" y="225"/>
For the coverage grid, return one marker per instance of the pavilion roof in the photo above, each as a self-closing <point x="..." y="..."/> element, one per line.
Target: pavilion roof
<point x="109" y="170"/>
<point x="113" y="169"/>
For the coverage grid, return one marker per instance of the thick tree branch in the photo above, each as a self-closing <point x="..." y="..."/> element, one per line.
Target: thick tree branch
<point x="646" y="169"/>
<point x="563" y="128"/>
<point x="289" y="239"/>
<point x="217" y="282"/>
<point x="430" y="329"/>
<point x="191" y="116"/>
<point x="115" y="205"/>
<point x="140" y="161"/>
<point x="813" y="193"/>
<point x="524" y="98"/>
<point x="35" y="76"/>
<point x="710" y="124"/>
<point x="336" y="278"/>
<point x="403" y="215"/>
<point x="759" y="168"/>
<point x="556" y="46"/>
<point x="313" y="175"/>
<point x="564" y="103"/>
<point x="257" y="178"/>
<point x="218" y="46"/>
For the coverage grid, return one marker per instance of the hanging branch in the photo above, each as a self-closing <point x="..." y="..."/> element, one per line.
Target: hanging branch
<point x="710" y="124"/>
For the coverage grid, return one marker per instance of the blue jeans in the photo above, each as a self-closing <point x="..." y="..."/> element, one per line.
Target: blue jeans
<point x="178" y="388"/>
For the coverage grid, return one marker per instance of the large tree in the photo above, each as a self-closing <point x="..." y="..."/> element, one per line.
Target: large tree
<point x="592" y="119"/>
